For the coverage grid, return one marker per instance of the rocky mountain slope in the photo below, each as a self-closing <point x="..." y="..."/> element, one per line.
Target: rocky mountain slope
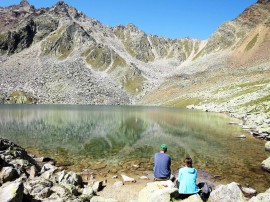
<point x="59" y="55"/>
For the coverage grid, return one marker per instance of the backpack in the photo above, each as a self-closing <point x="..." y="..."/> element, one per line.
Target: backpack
<point x="205" y="190"/>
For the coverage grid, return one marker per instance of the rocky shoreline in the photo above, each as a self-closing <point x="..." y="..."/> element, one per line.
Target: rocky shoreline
<point x="26" y="178"/>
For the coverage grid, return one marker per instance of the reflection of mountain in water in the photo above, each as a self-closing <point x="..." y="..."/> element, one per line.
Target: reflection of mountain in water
<point x="89" y="134"/>
<point x="102" y="131"/>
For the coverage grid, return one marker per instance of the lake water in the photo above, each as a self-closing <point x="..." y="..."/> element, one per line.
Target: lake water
<point x="111" y="139"/>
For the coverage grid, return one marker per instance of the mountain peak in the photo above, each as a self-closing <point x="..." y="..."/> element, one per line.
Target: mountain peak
<point x="61" y="3"/>
<point x="24" y="3"/>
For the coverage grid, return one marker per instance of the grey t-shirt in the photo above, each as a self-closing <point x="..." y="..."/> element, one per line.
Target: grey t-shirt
<point x="162" y="164"/>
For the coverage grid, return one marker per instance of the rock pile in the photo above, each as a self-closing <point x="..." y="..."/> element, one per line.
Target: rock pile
<point x="23" y="179"/>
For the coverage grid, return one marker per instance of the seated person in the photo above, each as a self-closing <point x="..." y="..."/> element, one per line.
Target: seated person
<point x="187" y="180"/>
<point x="162" y="164"/>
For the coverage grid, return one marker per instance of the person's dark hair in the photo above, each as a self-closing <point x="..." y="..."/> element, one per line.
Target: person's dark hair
<point x="188" y="162"/>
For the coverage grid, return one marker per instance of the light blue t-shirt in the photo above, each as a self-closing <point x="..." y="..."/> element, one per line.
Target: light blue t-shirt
<point x="187" y="180"/>
<point x="162" y="164"/>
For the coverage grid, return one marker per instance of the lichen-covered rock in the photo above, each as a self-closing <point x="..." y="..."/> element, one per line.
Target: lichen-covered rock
<point x="70" y="178"/>
<point x="227" y="193"/>
<point x="102" y="199"/>
<point x="267" y="146"/>
<point x="11" y="192"/>
<point x="8" y="174"/>
<point x="266" y="164"/>
<point x="157" y="192"/>
<point x="261" y="197"/>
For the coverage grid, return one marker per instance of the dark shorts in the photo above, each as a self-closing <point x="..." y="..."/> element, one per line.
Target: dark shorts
<point x="161" y="179"/>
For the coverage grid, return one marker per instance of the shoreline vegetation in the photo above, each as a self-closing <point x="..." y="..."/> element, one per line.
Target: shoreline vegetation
<point x="38" y="178"/>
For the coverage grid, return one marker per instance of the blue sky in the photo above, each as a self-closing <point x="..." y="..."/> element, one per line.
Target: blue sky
<point x="168" y="18"/>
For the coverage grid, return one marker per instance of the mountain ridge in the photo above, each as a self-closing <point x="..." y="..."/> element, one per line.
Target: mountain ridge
<point x="59" y="55"/>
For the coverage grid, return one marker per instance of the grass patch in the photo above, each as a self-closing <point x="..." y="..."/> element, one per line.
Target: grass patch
<point x="251" y="44"/>
<point x="243" y="92"/>
<point x="254" y="83"/>
<point x="258" y="101"/>
<point x="20" y="97"/>
<point x="99" y="58"/>
<point x="134" y="85"/>
<point x="244" y="85"/>
<point x="119" y="62"/>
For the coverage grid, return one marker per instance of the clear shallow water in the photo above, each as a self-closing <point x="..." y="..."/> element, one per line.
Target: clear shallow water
<point x="111" y="139"/>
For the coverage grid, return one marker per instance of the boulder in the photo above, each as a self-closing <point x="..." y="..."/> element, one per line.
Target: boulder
<point x="41" y="191"/>
<point x="267" y="146"/>
<point x="157" y="192"/>
<point x="127" y="179"/>
<point x="97" y="186"/>
<point x="8" y="174"/>
<point x="102" y="199"/>
<point x="266" y="164"/>
<point x="88" y="191"/>
<point x="262" y="197"/>
<point x="118" y="184"/>
<point x="33" y="172"/>
<point x="48" y="167"/>
<point x="227" y="193"/>
<point x="59" y="191"/>
<point x="70" y="178"/>
<point x="11" y="192"/>
<point x="73" y="190"/>
<point x="248" y="191"/>
<point x="144" y="177"/>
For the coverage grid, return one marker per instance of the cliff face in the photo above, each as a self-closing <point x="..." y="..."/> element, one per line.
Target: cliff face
<point x="58" y="55"/>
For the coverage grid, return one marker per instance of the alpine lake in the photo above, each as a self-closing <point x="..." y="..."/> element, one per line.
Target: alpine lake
<point x="111" y="140"/>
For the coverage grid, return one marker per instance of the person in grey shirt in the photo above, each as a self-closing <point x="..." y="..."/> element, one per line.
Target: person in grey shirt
<point x="162" y="164"/>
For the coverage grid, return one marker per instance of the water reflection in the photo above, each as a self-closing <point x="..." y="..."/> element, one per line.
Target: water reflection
<point x="111" y="139"/>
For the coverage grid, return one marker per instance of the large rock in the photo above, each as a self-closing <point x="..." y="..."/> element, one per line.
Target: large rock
<point x="97" y="186"/>
<point x="267" y="146"/>
<point x="60" y="191"/>
<point x="227" y="193"/>
<point x="8" y="174"/>
<point x="266" y="164"/>
<point x="262" y="197"/>
<point x="11" y="192"/>
<point x="157" y="192"/>
<point x="70" y="178"/>
<point x="102" y="199"/>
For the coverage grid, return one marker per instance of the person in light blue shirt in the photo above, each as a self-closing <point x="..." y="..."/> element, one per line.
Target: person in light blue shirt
<point x="187" y="180"/>
<point x="162" y="164"/>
